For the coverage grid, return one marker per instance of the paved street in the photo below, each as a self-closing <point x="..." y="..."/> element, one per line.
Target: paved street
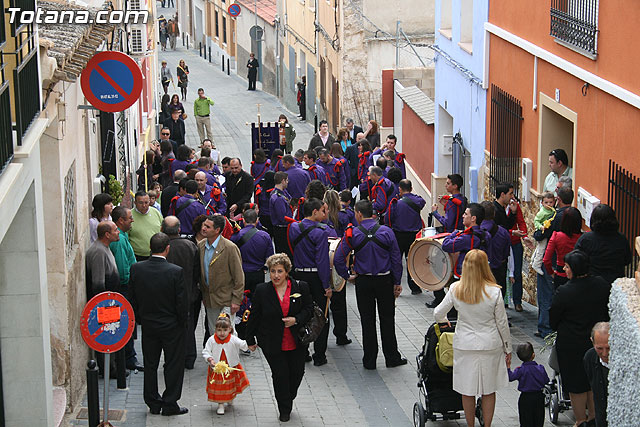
<point x="340" y="392"/>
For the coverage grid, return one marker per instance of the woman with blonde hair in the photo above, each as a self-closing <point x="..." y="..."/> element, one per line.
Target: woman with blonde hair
<point x="332" y="199"/>
<point x="482" y="342"/>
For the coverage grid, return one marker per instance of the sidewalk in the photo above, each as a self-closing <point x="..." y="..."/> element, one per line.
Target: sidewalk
<point x="341" y="392"/>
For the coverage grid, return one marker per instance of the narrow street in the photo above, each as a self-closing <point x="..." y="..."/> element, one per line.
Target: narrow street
<point x="340" y="393"/>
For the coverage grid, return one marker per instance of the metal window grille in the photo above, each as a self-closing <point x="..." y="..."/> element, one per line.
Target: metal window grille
<point x="458" y="159"/>
<point x="137" y="44"/>
<point x="224" y="29"/>
<point x="505" y="141"/>
<point x="135" y="4"/>
<point x="217" y="23"/>
<point x="575" y="22"/>
<point x="6" y="139"/>
<point x="624" y="197"/>
<point x="69" y="210"/>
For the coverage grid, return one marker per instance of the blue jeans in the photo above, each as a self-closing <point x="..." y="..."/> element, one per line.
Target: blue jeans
<point x="545" y="295"/>
<point x="517" y="273"/>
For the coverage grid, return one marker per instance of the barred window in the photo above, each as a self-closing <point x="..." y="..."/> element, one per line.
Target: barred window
<point x="575" y="24"/>
<point x="69" y="210"/>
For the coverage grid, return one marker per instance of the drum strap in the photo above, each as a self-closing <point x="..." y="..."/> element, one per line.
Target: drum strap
<point x="370" y="235"/>
<point x="411" y="204"/>
<point x="304" y="232"/>
<point x="247" y="236"/>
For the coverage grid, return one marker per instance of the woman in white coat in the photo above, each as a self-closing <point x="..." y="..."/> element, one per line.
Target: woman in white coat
<point x="482" y="342"/>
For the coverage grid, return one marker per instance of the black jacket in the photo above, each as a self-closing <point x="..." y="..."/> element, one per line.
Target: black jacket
<point x="501" y="218"/>
<point x="576" y="307"/>
<point x="165" y="198"/>
<point x="608" y="254"/>
<point x="351" y="154"/>
<point x="157" y="294"/>
<point x="598" y="376"/>
<point x="177" y="129"/>
<point x="316" y="142"/>
<point x="265" y="321"/>
<point x="183" y="254"/>
<point x="239" y="189"/>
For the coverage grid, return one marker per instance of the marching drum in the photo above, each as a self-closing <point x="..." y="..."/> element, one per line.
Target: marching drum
<point x="429" y="265"/>
<point x="337" y="282"/>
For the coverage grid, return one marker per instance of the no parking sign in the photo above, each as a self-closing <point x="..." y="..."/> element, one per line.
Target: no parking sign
<point x="111" y="81"/>
<point x="107" y="322"/>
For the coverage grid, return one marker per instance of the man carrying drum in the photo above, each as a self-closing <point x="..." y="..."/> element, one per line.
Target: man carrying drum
<point x="309" y="243"/>
<point x="378" y="271"/>
<point x="454" y="205"/>
<point x="403" y="216"/>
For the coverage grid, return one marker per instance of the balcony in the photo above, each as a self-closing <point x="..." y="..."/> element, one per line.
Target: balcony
<point x="574" y="24"/>
<point x="6" y="139"/>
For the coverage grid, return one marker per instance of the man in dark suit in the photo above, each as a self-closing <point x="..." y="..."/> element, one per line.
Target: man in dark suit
<point x="351" y="154"/>
<point x="352" y="130"/>
<point x="159" y="303"/>
<point x="239" y="186"/>
<point x="183" y="254"/>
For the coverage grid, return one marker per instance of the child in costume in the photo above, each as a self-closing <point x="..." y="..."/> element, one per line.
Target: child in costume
<point x="226" y="378"/>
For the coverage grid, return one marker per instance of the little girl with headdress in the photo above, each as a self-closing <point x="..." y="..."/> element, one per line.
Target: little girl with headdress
<point x="226" y="378"/>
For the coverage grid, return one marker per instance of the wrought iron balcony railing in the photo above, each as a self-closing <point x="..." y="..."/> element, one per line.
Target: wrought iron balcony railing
<point x="575" y="23"/>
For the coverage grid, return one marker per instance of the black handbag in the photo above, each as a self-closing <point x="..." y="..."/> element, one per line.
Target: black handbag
<point x="310" y="331"/>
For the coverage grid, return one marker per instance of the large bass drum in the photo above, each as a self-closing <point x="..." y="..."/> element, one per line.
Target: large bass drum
<point x="337" y="282"/>
<point x="429" y="265"/>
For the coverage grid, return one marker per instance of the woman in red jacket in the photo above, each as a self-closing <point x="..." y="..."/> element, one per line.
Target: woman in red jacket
<point x="561" y="243"/>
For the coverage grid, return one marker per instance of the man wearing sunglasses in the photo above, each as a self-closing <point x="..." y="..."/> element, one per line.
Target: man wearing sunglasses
<point x="559" y="165"/>
<point x="165" y="135"/>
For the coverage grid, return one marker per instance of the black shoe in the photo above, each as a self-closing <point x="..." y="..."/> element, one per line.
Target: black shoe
<point x="189" y="366"/>
<point x="179" y="411"/>
<point x="155" y="411"/>
<point x="369" y="367"/>
<point x="416" y="292"/>
<point x="432" y="304"/>
<point x="135" y="367"/>
<point x="284" y="417"/>
<point x="320" y="362"/>
<point x="538" y="334"/>
<point x="343" y="341"/>
<point x="395" y="363"/>
<point x="308" y="358"/>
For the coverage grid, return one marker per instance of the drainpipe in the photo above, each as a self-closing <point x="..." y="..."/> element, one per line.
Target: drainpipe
<point x="278" y="53"/>
<point x="317" y="43"/>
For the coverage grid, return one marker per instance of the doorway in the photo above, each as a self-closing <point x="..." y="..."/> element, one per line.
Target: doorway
<point x="557" y="130"/>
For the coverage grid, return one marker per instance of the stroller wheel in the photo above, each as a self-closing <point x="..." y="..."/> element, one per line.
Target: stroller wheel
<point x="418" y="415"/>
<point x="479" y="414"/>
<point x="554" y="409"/>
<point x="546" y="391"/>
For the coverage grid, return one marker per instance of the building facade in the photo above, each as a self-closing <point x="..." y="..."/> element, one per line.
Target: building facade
<point x="460" y="95"/>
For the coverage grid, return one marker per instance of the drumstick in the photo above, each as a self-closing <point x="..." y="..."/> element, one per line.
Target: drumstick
<point x="326" y="308"/>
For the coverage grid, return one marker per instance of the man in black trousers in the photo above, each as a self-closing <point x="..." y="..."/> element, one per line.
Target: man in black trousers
<point x="159" y="303"/>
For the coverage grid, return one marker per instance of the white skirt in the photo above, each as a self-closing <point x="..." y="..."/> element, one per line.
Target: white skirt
<point x="479" y="372"/>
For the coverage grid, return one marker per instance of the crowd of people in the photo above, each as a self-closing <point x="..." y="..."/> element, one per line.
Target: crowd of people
<point x="218" y="228"/>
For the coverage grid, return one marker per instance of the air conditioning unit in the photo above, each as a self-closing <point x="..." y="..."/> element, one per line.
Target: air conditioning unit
<point x="138" y="40"/>
<point x="527" y="178"/>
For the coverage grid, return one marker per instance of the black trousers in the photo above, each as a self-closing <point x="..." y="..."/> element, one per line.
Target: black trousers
<point x="531" y="409"/>
<point x="405" y="239"/>
<point x="191" y="353"/>
<point x="265" y="220"/>
<point x="372" y="291"/>
<point x="303" y="110"/>
<point x="287" y="370"/>
<point x="280" y="241"/>
<point x="154" y="343"/>
<point x="500" y="274"/>
<point x="252" y="80"/>
<point x="339" y="312"/>
<point x="317" y="292"/>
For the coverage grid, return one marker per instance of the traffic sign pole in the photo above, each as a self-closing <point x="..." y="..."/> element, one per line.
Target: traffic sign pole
<point x="105" y="404"/>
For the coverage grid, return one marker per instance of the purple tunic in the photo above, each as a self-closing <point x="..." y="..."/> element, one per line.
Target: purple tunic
<point x="313" y="250"/>
<point x="255" y="251"/>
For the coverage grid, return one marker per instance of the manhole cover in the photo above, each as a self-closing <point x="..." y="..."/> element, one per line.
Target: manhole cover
<point x="114" y="414"/>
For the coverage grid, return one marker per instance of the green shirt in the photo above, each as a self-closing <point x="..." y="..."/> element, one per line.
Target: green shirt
<point x="144" y="226"/>
<point x="125" y="258"/>
<point x="201" y="106"/>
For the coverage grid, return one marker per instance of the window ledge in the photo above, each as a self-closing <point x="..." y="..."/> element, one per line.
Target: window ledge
<point x="576" y="49"/>
<point x="467" y="47"/>
<point x="446" y="32"/>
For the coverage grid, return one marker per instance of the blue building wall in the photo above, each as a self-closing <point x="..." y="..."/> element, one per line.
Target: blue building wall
<point x="461" y="103"/>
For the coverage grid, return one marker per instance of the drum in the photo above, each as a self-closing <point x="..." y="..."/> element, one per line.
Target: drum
<point x="337" y="282"/>
<point x="429" y="265"/>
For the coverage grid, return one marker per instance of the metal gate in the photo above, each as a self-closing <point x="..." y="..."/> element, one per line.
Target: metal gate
<point x="624" y="197"/>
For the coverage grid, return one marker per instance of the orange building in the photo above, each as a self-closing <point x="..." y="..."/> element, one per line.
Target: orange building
<point x="566" y="77"/>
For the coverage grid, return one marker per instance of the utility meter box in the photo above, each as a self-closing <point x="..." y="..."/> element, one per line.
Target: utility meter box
<point x="586" y="202"/>
<point x="527" y="178"/>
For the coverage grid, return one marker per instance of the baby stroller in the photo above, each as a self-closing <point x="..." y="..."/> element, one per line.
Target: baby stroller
<point x="437" y="400"/>
<point x="555" y="397"/>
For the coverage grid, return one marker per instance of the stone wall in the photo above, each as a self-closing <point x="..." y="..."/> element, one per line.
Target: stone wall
<point x="624" y="339"/>
<point x="529" y="211"/>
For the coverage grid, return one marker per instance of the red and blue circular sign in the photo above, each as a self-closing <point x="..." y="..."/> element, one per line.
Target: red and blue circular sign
<point x="234" y="10"/>
<point x="107" y="322"/>
<point x="111" y="81"/>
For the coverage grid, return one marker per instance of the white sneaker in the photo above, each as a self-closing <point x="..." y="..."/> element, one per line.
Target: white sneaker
<point x="220" y="410"/>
